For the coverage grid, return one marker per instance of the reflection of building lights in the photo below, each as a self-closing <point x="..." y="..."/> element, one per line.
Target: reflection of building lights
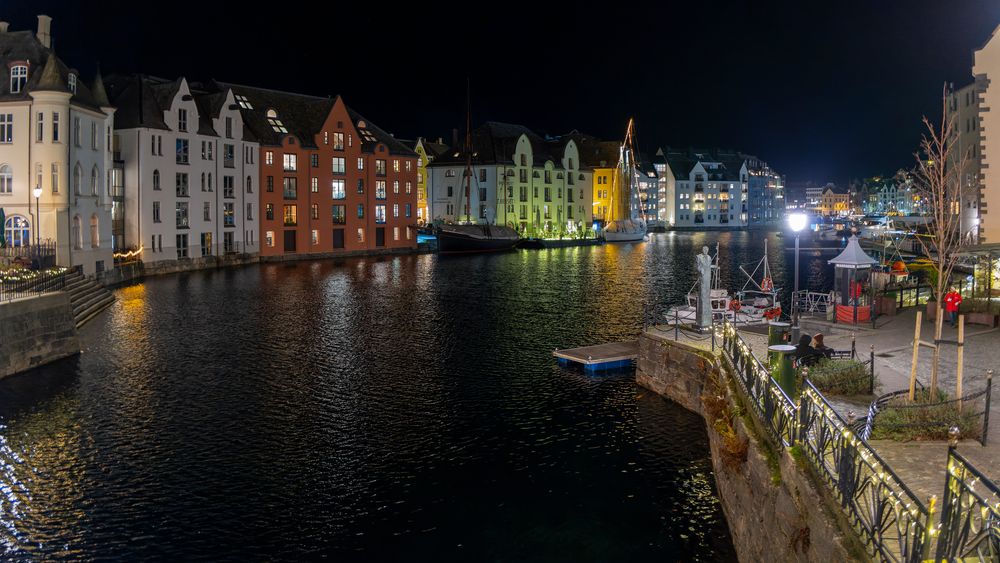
<point x="128" y="254"/>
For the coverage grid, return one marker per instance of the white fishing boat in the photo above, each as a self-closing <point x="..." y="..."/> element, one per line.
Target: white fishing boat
<point x="624" y="222"/>
<point x="755" y="303"/>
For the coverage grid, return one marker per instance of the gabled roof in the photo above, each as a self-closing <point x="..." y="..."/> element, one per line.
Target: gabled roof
<point x="301" y="115"/>
<point x="495" y="143"/>
<point x="24" y="47"/>
<point x="394" y="145"/>
<point x="136" y="102"/>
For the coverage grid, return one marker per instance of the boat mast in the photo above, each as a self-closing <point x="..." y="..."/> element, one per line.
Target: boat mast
<point x="468" y="154"/>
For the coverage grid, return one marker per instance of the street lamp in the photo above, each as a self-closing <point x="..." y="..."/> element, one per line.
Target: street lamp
<point x="37" y="192"/>
<point x="796" y="222"/>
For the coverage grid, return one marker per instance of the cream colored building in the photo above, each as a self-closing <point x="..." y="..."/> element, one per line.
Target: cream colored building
<point x="986" y="70"/>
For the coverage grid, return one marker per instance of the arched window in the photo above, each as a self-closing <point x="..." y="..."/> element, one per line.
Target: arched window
<point x="17" y="231"/>
<point x="6" y="179"/>
<point x="77" y="233"/>
<point x="156" y="179"/>
<point x="94" y="180"/>
<point x="77" y="179"/>
<point x="18" y="76"/>
<point x="95" y="237"/>
<point x="202" y="181"/>
<point x="249" y="184"/>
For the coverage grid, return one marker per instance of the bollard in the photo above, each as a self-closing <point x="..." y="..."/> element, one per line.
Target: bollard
<point x="784" y="354"/>
<point x="871" y="374"/>
<point x="776" y="332"/>
<point x="986" y="415"/>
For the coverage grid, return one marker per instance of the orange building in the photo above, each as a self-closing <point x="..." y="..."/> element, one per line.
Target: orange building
<point x="330" y="181"/>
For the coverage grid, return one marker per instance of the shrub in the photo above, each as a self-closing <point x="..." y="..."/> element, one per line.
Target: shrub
<point x="925" y="419"/>
<point x="841" y="377"/>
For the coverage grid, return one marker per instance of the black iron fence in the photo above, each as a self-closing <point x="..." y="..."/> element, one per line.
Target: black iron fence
<point x="892" y="522"/>
<point x="20" y="283"/>
<point x="36" y="256"/>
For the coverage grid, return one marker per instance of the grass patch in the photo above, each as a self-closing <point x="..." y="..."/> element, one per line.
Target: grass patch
<point x="841" y="377"/>
<point x="927" y="418"/>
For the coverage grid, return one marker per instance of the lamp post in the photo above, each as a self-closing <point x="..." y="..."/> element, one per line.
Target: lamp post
<point x="37" y="192"/>
<point x="797" y="222"/>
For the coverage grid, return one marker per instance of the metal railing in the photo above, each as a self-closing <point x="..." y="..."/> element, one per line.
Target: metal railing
<point x="18" y="284"/>
<point x="970" y="514"/>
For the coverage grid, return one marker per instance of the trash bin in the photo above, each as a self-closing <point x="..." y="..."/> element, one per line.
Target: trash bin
<point x="783" y="355"/>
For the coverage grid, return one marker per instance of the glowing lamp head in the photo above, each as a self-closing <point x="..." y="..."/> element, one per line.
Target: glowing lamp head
<point x="37" y="192"/>
<point x="797" y="221"/>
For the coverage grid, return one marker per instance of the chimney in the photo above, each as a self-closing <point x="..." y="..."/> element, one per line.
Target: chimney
<point x="3" y="27"/>
<point x="440" y="141"/>
<point x="44" y="31"/>
<point x="454" y="138"/>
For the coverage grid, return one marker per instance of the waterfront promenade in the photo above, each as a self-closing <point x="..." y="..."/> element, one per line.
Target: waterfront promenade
<point x="920" y="464"/>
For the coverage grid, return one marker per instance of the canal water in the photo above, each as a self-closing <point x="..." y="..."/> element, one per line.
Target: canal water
<point x="390" y="408"/>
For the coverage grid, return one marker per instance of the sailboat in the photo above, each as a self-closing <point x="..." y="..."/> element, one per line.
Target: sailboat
<point x="624" y="223"/>
<point x="470" y="236"/>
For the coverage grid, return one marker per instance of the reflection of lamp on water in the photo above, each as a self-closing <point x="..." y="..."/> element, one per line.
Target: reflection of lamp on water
<point x="796" y="222"/>
<point x="37" y="192"/>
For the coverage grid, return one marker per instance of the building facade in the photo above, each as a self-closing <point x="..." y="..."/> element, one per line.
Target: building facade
<point x="766" y="190"/>
<point x="832" y="203"/>
<point x="330" y="181"/>
<point x="888" y="195"/>
<point x="963" y="108"/>
<point x="986" y="71"/>
<point x="538" y="186"/>
<point x="198" y="198"/>
<point x="55" y="136"/>
<point x="427" y="152"/>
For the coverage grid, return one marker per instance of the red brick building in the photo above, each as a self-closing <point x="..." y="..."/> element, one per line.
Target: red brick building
<point x="330" y="180"/>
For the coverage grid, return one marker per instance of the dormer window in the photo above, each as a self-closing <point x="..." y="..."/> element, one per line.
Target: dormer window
<point x="182" y="120"/>
<point x="274" y="122"/>
<point x="72" y="83"/>
<point x="18" y="77"/>
<point x="243" y="101"/>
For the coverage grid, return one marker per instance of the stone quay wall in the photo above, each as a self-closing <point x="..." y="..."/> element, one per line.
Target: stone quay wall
<point x="773" y="508"/>
<point x="35" y="331"/>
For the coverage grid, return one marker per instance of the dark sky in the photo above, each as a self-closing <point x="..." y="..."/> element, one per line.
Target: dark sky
<point x="821" y="90"/>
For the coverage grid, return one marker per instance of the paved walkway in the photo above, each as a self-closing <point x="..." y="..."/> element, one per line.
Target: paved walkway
<point x="920" y="465"/>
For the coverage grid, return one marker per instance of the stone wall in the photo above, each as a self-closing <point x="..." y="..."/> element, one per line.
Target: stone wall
<point x="774" y="510"/>
<point x="35" y="331"/>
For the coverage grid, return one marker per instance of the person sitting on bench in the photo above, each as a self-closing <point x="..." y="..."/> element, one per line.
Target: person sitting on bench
<point x="806" y="355"/>
<point x="821" y="348"/>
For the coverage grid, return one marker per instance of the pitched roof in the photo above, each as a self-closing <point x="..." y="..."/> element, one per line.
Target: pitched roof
<point x="394" y="145"/>
<point x="136" y="102"/>
<point x="853" y="256"/>
<point x="495" y="143"/>
<point x="301" y="115"/>
<point x="24" y="47"/>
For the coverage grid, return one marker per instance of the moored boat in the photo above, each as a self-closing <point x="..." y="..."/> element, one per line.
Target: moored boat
<point x="624" y="223"/>
<point x="475" y="238"/>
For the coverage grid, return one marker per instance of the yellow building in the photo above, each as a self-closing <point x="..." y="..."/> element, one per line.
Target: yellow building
<point x="426" y="151"/>
<point x="833" y="203"/>
<point x="602" y="158"/>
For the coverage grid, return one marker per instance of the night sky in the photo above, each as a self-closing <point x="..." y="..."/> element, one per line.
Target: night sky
<point x="824" y="91"/>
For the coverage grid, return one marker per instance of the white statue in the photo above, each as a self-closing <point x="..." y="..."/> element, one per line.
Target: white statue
<point x="703" y="263"/>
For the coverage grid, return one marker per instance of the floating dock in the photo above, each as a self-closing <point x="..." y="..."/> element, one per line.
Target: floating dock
<point x="614" y="355"/>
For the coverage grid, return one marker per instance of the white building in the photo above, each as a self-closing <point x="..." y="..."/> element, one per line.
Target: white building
<point x="709" y="189"/>
<point x="963" y="108"/>
<point x="519" y="179"/>
<point x="55" y="135"/>
<point x="190" y="170"/>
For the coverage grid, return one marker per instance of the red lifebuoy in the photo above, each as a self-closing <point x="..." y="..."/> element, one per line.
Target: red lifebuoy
<point x="735" y="305"/>
<point x="766" y="284"/>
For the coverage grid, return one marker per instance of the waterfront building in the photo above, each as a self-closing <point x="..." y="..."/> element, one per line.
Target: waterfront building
<point x="55" y="136"/>
<point x="519" y="178"/>
<point x="601" y="157"/>
<point x="888" y="195"/>
<point x="766" y="191"/>
<point x="986" y="71"/>
<point x="189" y="171"/>
<point x="649" y="192"/>
<point x="330" y="181"/>
<point x="833" y="203"/>
<point x="963" y="108"/>
<point x="426" y="151"/>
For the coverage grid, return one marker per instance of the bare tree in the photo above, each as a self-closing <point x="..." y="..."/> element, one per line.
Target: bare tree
<point x="938" y="181"/>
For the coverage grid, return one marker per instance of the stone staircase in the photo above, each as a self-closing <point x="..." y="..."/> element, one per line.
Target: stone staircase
<point x="87" y="297"/>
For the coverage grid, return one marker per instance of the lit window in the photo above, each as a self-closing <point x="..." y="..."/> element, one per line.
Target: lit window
<point x="72" y="82"/>
<point x="7" y="128"/>
<point x="338" y="189"/>
<point x="268" y="158"/>
<point x="315" y="237"/>
<point x="290" y="162"/>
<point x="274" y="122"/>
<point x="18" y="76"/>
<point x="245" y="104"/>
<point x="269" y="238"/>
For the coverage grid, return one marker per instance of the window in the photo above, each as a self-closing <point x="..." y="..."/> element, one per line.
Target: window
<point x="229" y="214"/>
<point x="361" y="235"/>
<point x="290" y="189"/>
<point x="6" y="180"/>
<point x="314" y="211"/>
<point x="395" y="186"/>
<point x="229" y="127"/>
<point x="395" y="210"/>
<point x="206" y="244"/>
<point x="269" y="211"/>
<point x="379" y="189"/>
<point x="77" y="179"/>
<point x="408" y="210"/>
<point x="314" y="185"/>
<point x="269" y="238"/>
<point x="314" y="160"/>
<point x="270" y="183"/>
<point x="228" y="155"/>
<point x="181" y="183"/>
<point x="482" y="174"/>
<point x="249" y="212"/>
<point x="182" y="246"/>
<point x="269" y="158"/>
<point x="337" y="187"/>
<point x="338" y="141"/>
<point x="93" y="135"/>
<point x="315" y="237"/>
<point x="182" y="214"/>
<point x="228" y="186"/>
<point x="339" y="214"/>
<point x="274" y="122"/>
<point x="290" y="216"/>
<point x="326" y="138"/>
<point x="156" y="212"/>
<point x="395" y="165"/>
<point x="77" y="234"/>
<point x="379" y="167"/>
<point x="55" y="127"/>
<point x="361" y="211"/>
<point x="249" y="184"/>
<point x="361" y="163"/>
<point x="6" y="127"/>
<point x="379" y="214"/>
<point x="203" y="182"/>
<point x="449" y="173"/>
<point x="182" y="120"/>
<point x="55" y="177"/>
<point x="409" y="187"/>
<point x="182" y="151"/>
<point x="338" y="165"/>
<point x="244" y="103"/>
<point x="94" y="180"/>
<point x="18" y="76"/>
<point x="289" y="162"/>
<point x="450" y="191"/>
<point x="395" y="233"/>
<point x="361" y="185"/>
<point x="40" y="127"/>
<point x="207" y="212"/>
<point x="38" y="174"/>
<point x="209" y="181"/>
